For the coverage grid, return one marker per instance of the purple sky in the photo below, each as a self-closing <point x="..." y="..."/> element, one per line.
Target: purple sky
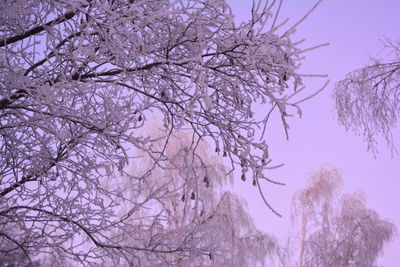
<point x="354" y="29"/>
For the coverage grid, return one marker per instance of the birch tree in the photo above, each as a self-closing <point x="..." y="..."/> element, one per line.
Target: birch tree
<point x="368" y="99"/>
<point x="212" y="223"/>
<point x="78" y="79"/>
<point x="336" y="229"/>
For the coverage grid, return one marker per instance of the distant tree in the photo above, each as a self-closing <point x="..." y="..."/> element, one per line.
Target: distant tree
<point x="209" y="225"/>
<point x="368" y="99"/>
<point x="335" y="229"/>
<point x="78" y="79"/>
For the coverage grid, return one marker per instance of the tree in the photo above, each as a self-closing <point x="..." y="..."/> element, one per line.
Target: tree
<point x="368" y="99"/>
<point x="79" y="80"/>
<point x="337" y="231"/>
<point x="196" y="211"/>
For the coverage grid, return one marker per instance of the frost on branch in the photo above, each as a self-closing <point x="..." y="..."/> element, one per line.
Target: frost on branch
<point x="78" y="79"/>
<point x="191" y="214"/>
<point x="368" y="99"/>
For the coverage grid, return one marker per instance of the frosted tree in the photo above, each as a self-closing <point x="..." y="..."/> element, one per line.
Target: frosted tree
<point x="78" y="80"/>
<point x="368" y="99"/>
<point x="335" y="229"/>
<point x="213" y="224"/>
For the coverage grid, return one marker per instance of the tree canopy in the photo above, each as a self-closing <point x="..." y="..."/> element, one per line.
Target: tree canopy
<point x="336" y="229"/>
<point x="80" y="79"/>
<point x="368" y="99"/>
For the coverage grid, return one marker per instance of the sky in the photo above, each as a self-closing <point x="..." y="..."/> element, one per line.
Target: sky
<point x="354" y="30"/>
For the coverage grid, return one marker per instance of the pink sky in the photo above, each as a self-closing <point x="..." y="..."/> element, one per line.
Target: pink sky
<point x="354" y="29"/>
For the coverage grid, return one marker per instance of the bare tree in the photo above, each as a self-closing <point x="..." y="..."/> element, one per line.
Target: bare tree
<point x="368" y="99"/>
<point x="78" y="79"/>
<point x="334" y="229"/>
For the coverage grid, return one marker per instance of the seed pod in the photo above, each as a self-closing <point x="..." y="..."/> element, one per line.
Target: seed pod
<point x="192" y="197"/>
<point x="243" y="177"/>
<point x="242" y="163"/>
<point x="140" y="118"/>
<point x="217" y="149"/>
<point x="254" y="182"/>
<point x="183" y="198"/>
<point x="206" y="181"/>
<point x="225" y="154"/>
<point x="286" y="58"/>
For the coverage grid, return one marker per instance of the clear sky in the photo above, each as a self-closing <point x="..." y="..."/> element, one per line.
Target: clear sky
<point x="354" y="29"/>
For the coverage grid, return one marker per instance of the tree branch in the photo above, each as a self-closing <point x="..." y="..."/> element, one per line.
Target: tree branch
<point x="38" y="29"/>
